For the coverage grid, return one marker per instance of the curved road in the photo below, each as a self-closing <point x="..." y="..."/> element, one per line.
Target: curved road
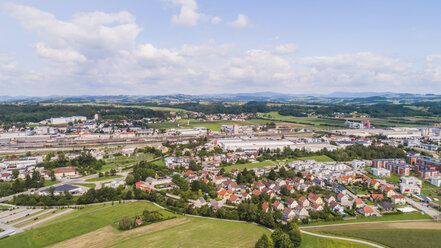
<point x="341" y="238"/>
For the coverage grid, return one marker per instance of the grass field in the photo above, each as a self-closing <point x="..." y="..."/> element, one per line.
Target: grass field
<point x="50" y="183"/>
<point x="89" y="185"/>
<point x="320" y="158"/>
<point x="404" y="216"/>
<point x="249" y="165"/>
<point x="212" y="125"/>
<point x="323" y="123"/>
<point x="310" y="241"/>
<point x="98" y="179"/>
<point x="394" y="238"/>
<point x="77" y="223"/>
<point x="124" y="161"/>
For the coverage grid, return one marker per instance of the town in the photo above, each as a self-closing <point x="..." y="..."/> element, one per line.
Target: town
<point x="265" y="173"/>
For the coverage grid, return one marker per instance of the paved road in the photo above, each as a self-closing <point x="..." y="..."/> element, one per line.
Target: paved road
<point x="341" y="238"/>
<point x="43" y="220"/>
<point x="423" y="207"/>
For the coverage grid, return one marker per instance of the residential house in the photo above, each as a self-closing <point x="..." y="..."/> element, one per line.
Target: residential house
<point x="265" y="207"/>
<point x="278" y="206"/>
<point x="386" y="206"/>
<point x="303" y="202"/>
<point x="288" y="213"/>
<point x="64" y="172"/>
<point x="301" y="212"/>
<point x="366" y="211"/>
<point x="314" y="198"/>
<point x="376" y="197"/>
<point x="291" y="203"/>
<point x="398" y="199"/>
<point x="317" y="207"/>
<point x="328" y="198"/>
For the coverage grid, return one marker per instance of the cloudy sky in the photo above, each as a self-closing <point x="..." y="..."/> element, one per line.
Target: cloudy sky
<point x="147" y="47"/>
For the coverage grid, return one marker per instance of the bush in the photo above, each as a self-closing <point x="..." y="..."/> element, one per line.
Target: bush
<point x="125" y="223"/>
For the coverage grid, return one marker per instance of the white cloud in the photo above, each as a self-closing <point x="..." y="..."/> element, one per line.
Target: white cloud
<point x="216" y="20"/>
<point x="98" y="53"/>
<point x="285" y="48"/>
<point x="61" y="55"/>
<point x="240" y="22"/>
<point x="188" y="14"/>
<point x="209" y="49"/>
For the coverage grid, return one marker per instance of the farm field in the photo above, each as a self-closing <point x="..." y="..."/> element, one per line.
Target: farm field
<point x="395" y="235"/>
<point x="79" y="222"/>
<point x="310" y="241"/>
<point x="212" y="125"/>
<point x="323" y="123"/>
<point x="396" y="217"/>
<point x="179" y="232"/>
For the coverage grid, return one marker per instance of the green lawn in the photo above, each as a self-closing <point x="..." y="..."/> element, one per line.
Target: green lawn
<point x="394" y="238"/>
<point x="320" y="158"/>
<point x="200" y="233"/>
<point x="249" y="165"/>
<point x="124" y="161"/>
<point x="310" y="241"/>
<point x="97" y="179"/>
<point x="319" y="122"/>
<point x="394" y="178"/>
<point x="404" y="216"/>
<point x="212" y="125"/>
<point x="89" y="185"/>
<point x="79" y="222"/>
<point x="50" y="183"/>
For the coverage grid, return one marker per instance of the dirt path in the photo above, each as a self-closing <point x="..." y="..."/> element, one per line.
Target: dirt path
<point x="108" y="235"/>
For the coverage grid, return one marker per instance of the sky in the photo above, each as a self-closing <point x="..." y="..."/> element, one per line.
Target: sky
<point x="158" y="47"/>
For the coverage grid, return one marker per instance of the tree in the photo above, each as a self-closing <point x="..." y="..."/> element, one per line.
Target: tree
<point x="272" y="175"/>
<point x="130" y="179"/>
<point x="15" y="173"/>
<point x="51" y="191"/>
<point x="294" y="234"/>
<point x="281" y="239"/>
<point x="264" y="242"/>
<point x="52" y="175"/>
<point x="181" y="182"/>
<point x="193" y="166"/>
<point x="125" y="223"/>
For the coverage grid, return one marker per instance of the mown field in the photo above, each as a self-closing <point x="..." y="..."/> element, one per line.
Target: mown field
<point x="317" y="122"/>
<point x="394" y="238"/>
<point x="77" y="223"/>
<point x="103" y="178"/>
<point x="249" y="165"/>
<point x="310" y="241"/>
<point x="212" y="125"/>
<point x="396" y="217"/>
<point x="96" y="226"/>
<point x="321" y="158"/>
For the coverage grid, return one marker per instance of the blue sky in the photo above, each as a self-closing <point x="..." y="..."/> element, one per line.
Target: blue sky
<point x="218" y="46"/>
